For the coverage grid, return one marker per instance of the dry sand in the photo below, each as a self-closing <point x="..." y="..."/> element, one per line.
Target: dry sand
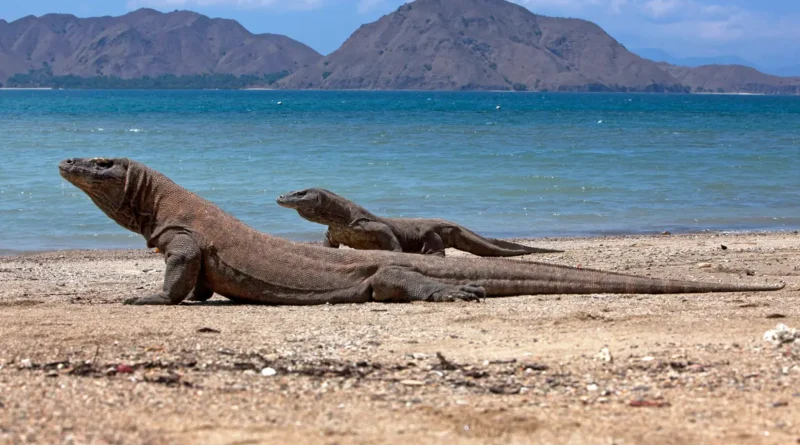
<point x="76" y="366"/>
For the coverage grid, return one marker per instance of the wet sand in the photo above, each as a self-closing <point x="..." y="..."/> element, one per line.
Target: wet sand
<point x="76" y="366"/>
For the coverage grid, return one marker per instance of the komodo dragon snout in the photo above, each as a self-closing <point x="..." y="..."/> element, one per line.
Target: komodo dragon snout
<point x="299" y="199"/>
<point x="102" y="179"/>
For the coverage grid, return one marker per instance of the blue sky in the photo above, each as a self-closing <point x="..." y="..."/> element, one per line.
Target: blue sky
<point x="766" y="32"/>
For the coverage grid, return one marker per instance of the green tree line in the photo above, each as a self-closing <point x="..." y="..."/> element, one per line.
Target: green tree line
<point x="44" y="78"/>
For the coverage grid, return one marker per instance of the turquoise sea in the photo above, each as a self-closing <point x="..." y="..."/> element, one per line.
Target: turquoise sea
<point x="539" y="165"/>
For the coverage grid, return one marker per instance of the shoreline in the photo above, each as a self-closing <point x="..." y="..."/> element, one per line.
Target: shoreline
<point x="10" y="253"/>
<point x="698" y="93"/>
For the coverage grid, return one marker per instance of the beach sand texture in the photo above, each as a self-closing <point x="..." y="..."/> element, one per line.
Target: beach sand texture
<point x="684" y="368"/>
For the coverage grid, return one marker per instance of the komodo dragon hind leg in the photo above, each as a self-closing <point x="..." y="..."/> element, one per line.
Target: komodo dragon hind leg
<point x="403" y="285"/>
<point x="183" y="259"/>
<point x="201" y="292"/>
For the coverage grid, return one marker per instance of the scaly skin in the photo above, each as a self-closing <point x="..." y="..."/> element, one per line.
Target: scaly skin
<point x="352" y="225"/>
<point x="208" y="251"/>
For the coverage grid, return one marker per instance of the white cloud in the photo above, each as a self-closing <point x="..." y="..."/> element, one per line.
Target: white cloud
<point x="617" y="5"/>
<point x="662" y="8"/>
<point x="688" y="27"/>
<point x="244" y="4"/>
<point x="365" y="6"/>
<point x="557" y="5"/>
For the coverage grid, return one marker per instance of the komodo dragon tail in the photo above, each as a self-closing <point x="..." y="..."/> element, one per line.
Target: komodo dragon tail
<point x="503" y="277"/>
<point x="469" y="241"/>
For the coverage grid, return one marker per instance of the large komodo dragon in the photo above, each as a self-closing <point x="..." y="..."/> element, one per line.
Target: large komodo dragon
<point x="206" y="251"/>
<point x="354" y="226"/>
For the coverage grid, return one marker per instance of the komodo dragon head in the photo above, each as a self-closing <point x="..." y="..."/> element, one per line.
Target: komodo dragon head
<point x="107" y="182"/>
<point x="318" y="205"/>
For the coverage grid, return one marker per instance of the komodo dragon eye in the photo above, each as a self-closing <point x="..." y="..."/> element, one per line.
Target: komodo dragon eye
<point x="103" y="163"/>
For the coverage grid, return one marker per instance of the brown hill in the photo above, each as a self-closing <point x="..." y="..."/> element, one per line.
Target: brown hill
<point x="427" y="44"/>
<point x="732" y="79"/>
<point x="481" y="45"/>
<point x="144" y="43"/>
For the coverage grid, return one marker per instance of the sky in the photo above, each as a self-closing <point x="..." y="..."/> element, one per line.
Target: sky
<point x="764" y="32"/>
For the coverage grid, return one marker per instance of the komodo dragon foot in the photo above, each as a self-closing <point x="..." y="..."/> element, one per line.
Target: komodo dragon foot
<point x="469" y="292"/>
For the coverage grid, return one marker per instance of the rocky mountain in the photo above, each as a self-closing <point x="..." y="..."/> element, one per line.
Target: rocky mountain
<point x="498" y="45"/>
<point x="425" y="44"/>
<point x="732" y="78"/>
<point x="144" y="43"/>
<point x="481" y="45"/>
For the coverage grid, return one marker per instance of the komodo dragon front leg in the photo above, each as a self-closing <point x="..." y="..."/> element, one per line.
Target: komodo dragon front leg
<point x="183" y="259"/>
<point x="329" y="240"/>
<point x="376" y="231"/>
<point x="432" y="244"/>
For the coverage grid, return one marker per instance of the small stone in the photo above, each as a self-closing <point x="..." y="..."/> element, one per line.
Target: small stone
<point x="604" y="355"/>
<point x="644" y="403"/>
<point x="124" y="369"/>
<point x="268" y="372"/>
<point x="592" y="387"/>
<point x="412" y="383"/>
<point x="25" y="363"/>
<point x="704" y="265"/>
<point x="648" y="359"/>
<point x="781" y="334"/>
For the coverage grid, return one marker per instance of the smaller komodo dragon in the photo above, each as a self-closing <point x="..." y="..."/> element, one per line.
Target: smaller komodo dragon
<point x="354" y="226"/>
<point x="208" y="251"/>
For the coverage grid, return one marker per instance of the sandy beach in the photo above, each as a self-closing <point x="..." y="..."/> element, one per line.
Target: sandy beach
<point x="77" y="366"/>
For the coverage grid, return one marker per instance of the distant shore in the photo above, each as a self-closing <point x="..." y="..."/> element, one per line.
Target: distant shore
<point x="703" y="93"/>
<point x="27" y="88"/>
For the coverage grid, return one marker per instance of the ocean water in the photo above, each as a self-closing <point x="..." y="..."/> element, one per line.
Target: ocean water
<point x="540" y="165"/>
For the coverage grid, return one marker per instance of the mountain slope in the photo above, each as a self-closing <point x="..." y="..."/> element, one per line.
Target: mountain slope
<point x="732" y="79"/>
<point x="144" y="43"/>
<point x="657" y="55"/>
<point x="480" y="44"/>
